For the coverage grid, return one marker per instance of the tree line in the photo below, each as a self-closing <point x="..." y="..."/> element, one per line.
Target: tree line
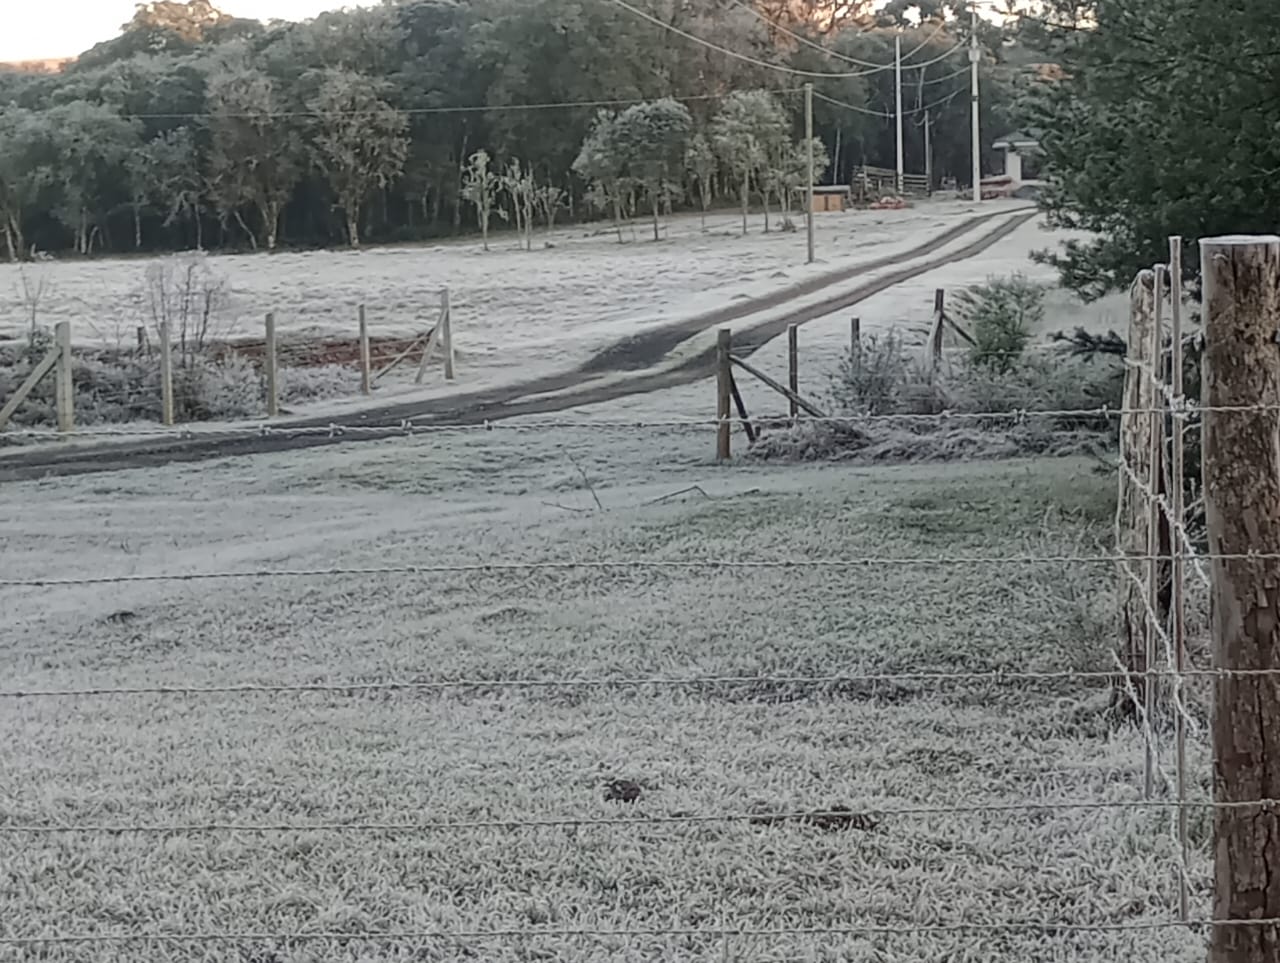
<point x="416" y="118"/>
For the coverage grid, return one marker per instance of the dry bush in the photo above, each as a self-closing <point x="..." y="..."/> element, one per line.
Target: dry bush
<point x="882" y="380"/>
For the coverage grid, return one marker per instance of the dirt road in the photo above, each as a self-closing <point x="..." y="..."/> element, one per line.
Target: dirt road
<point x="569" y="389"/>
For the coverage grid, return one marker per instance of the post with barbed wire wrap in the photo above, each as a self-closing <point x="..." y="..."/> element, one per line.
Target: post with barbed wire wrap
<point x="269" y="362"/>
<point x="166" y="374"/>
<point x="724" y="392"/>
<point x="1240" y="395"/>
<point x="1154" y="521"/>
<point x="64" y="386"/>
<point x="1178" y="587"/>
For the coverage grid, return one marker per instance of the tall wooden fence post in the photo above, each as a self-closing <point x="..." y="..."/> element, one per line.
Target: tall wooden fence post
<point x="1177" y="592"/>
<point x="1241" y="453"/>
<point x="273" y="387"/>
<point x="793" y="367"/>
<point x="446" y="334"/>
<point x="1132" y="504"/>
<point x="166" y="374"/>
<point x="1155" y="469"/>
<point x="724" y="392"/>
<point x="365" y="383"/>
<point x="64" y="387"/>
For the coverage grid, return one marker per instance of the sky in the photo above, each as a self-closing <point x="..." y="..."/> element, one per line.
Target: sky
<point x="45" y="29"/>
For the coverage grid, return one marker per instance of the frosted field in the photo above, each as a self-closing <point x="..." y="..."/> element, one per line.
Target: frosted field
<point x="495" y="754"/>
<point x="904" y="308"/>
<point x="512" y="308"/>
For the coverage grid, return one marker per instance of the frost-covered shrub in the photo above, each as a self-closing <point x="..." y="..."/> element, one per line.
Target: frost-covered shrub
<point x="218" y="390"/>
<point x="300" y="385"/>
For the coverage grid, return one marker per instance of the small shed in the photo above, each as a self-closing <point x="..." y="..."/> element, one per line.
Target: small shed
<point x="1021" y="150"/>
<point x="830" y="197"/>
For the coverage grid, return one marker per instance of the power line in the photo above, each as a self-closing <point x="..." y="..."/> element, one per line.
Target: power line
<point x="774" y="25"/>
<point x="889" y="115"/>
<point x="421" y="111"/>
<point x="746" y="58"/>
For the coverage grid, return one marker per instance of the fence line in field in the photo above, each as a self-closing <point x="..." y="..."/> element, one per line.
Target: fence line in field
<point x="995" y="676"/>
<point x="620" y="565"/>
<point x="862" y="815"/>
<point x="410" y="427"/>
<point x="712" y="932"/>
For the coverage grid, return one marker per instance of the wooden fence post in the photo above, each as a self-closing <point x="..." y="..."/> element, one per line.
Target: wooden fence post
<point x="142" y="340"/>
<point x="273" y="387"/>
<point x="855" y="337"/>
<point x="365" y="383"/>
<point x="1241" y="453"/>
<point x="64" y="387"/>
<point x="166" y="374"/>
<point x="793" y="367"/>
<point x="1132" y="506"/>
<point x="446" y="335"/>
<point x="724" y="392"/>
<point x="934" y="349"/>
<point x="1178" y="587"/>
<point x="1154" y="374"/>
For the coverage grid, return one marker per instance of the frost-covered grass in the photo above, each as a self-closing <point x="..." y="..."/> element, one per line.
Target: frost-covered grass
<point x="503" y="754"/>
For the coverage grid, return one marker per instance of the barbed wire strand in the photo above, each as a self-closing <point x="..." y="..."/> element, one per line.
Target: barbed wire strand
<point x="409" y="427"/>
<point x="620" y="682"/>
<point x="619" y="565"/>
<point x="761" y="818"/>
<point x="870" y="929"/>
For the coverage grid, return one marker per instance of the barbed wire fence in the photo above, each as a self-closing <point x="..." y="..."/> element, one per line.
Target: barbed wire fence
<point x="1155" y="557"/>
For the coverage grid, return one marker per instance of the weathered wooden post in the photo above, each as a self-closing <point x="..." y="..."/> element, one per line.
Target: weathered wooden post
<point x="166" y="374"/>
<point x="793" y="368"/>
<point x="855" y="337"/>
<point x="1178" y="587"/>
<point x="365" y="382"/>
<point x="273" y="388"/>
<point x="446" y="334"/>
<point x="64" y="386"/>
<point x="1133" y="506"/>
<point x="1154" y="521"/>
<point x="1241" y="454"/>
<point x="724" y="392"/>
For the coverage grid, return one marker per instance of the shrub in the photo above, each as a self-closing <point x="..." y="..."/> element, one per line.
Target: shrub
<point x="1000" y="315"/>
<point x="881" y="379"/>
<point x="213" y="390"/>
<point x="318" y="383"/>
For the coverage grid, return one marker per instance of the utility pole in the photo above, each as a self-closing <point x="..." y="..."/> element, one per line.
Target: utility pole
<point x="928" y="155"/>
<point x="897" y="85"/>
<point x="977" y="133"/>
<point x="808" y="148"/>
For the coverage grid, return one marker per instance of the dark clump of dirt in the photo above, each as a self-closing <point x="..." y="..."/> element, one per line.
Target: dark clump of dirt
<point x="622" y="790"/>
<point x="831" y="820"/>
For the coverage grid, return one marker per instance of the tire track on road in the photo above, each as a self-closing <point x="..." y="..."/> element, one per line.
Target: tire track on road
<point x="546" y="395"/>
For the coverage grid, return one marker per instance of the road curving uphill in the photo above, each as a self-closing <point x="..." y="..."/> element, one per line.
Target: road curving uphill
<point x="662" y="357"/>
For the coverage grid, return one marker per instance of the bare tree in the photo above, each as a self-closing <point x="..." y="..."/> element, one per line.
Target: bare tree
<point x="256" y="157"/>
<point x="520" y="187"/>
<point x="358" y="141"/>
<point x="479" y="185"/>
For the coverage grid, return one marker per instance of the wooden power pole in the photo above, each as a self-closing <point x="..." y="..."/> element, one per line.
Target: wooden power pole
<point x="1241" y="452"/>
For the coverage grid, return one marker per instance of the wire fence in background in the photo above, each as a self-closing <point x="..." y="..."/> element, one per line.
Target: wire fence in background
<point x="1153" y="421"/>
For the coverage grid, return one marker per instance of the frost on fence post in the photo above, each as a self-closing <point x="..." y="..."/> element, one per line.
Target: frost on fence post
<point x="724" y="389"/>
<point x="64" y="387"/>
<point x="273" y="389"/>
<point x="1240" y="370"/>
<point x="1133" y="507"/>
